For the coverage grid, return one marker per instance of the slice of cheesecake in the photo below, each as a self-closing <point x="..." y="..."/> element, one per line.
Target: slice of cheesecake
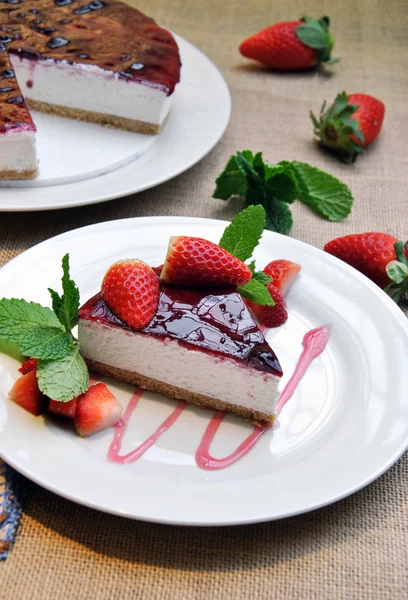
<point x="18" y="157"/>
<point x="202" y="346"/>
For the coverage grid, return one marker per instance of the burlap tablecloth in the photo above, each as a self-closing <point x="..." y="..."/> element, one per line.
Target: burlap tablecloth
<point x="355" y="549"/>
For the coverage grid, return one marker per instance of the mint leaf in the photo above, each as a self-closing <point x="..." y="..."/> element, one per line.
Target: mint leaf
<point x="325" y="194"/>
<point x="19" y="317"/>
<point x="65" y="378"/>
<point x="262" y="277"/>
<point x="231" y="182"/>
<point x="66" y="306"/>
<point x="241" y="237"/>
<point x="256" y="292"/>
<point x="278" y="216"/>
<point x="46" y="342"/>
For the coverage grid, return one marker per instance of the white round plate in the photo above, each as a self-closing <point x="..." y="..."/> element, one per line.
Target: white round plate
<point x="83" y="163"/>
<point x="345" y="425"/>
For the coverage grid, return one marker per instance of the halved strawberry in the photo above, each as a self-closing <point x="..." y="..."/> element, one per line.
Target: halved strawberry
<point x="63" y="409"/>
<point x="270" y="316"/>
<point x="195" y="262"/>
<point x="26" y="393"/>
<point x="283" y="273"/>
<point x="29" y="365"/>
<point x="131" y="290"/>
<point x="97" y="409"/>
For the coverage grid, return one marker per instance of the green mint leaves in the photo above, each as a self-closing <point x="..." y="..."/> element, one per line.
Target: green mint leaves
<point x="240" y="239"/>
<point x="276" y="186"/>
<point x="42" y="333"/>
<point x="397" y="271"/>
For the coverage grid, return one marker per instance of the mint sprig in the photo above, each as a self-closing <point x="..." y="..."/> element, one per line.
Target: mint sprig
<point x="276" y="186"/>
<point x="42" y="333"/>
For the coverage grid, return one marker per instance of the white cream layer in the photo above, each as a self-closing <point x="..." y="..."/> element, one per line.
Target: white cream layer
<point x="167" y="361"/>
<point x="89" y="88"/>
<point x="18" y="151"/>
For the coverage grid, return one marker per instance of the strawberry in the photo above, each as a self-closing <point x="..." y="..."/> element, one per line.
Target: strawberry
<point x="350" y="124"/>
<point x="369" y="253"/>
<point x="131" y="290"/>
<point x="63" y="409"/>
<point x="270" y="316"/>
<point x="196" y="262"/>
<point x="283" y="273"/>
<point x="97" y="409"/>
<point x="26" y="393"/>
<point x="291" y="45"/>
<point x="29" y="365"/>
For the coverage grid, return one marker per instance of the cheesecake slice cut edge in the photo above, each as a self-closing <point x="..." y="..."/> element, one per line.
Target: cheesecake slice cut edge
<point x="202" y="346"/>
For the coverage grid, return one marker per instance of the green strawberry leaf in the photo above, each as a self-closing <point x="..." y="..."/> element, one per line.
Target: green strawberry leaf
<point x="397" y="271"/>
<point x="241" y="237"/>
<point x="64" y="378"/>
<point x="19" y="317"/>
<point x="257" y="292"/>
<point x="313" y="34"/>
<point x="46" y="342"/>
<point x="322" y="192"/>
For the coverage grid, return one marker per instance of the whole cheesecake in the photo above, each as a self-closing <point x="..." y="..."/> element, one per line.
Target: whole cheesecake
<point x="101" y="61"/>
<point x="202" y="346"/>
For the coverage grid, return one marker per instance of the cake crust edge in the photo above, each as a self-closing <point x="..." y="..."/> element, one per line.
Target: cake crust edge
<point x="14" y="174"/>
<point x="170" y="391"/>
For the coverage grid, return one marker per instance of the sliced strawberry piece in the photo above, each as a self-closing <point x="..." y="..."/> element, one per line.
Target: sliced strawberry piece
<point x="63" y="409"/>
<point x="195" y="262"/>
<point x="131" y="290"/>
<point x="270" y="316"/>
<point x="29" y="365"/>
<point x="369" y="253"/>
<point x="26" y="393"/>
<point x="97" y="409"/>
<point x="283" y="273"/>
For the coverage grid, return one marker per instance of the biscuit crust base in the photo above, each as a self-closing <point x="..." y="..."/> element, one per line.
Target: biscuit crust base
<point x="94" y="117"/>
<point x="170" y="391"/>
<point x="27" y="174"/>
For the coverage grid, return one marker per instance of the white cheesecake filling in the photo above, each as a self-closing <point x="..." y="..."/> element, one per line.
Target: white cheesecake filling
<point x="168" y="361"/>
<point x="90" y="88"/>
<point x="18" y="150"/>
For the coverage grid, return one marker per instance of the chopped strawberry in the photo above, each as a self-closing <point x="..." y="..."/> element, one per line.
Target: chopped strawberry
<point x="63" y="409"/>
<point x="158" y="270"/>
<point x="97" y="409"/>
<point x="26" y="393"/>
<point x="283" y="273"/>
<point x="131" y="290"/>
<point x="29" y="365"/>
<point x="270" y="316"/>
<point x="192" y="261"/>
<point x="369" y="253"/>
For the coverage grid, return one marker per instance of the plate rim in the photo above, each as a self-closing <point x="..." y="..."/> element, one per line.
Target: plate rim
<point x="99" y="197"/>
<point x="152" y="220"/>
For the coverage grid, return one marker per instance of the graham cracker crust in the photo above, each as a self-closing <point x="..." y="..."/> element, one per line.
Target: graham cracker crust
<point x="27" y="174"/>
<point x="94" y="117"/>
<point x="170" y="391"/>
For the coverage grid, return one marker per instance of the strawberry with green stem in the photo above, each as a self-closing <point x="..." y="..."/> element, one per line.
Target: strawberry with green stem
<point x="349" y="125"/>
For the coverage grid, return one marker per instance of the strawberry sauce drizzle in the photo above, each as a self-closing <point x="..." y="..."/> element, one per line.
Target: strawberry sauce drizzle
<point x="314" y="343"/>
<point x="120" y="430"/>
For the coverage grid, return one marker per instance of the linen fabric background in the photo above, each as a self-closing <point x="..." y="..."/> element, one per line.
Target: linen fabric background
<point x="355" y="549"/>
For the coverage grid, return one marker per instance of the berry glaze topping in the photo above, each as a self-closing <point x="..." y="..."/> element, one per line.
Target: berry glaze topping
<point x="14" y="116"/>
<point x="100" y="33"/>
<point x="215" y="322"/>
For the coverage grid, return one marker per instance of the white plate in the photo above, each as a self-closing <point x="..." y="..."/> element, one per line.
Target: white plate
<point x="346" y="424"/>
<point x="83" y="163"/>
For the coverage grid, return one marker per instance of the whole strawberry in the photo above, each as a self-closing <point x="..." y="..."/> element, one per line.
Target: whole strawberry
<point x="195" y="262"/>
<point x="350" y="124"/>
<point x="131" y="290"/>
<point x="369" y="253"/>
<point x="291" y="45"/>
